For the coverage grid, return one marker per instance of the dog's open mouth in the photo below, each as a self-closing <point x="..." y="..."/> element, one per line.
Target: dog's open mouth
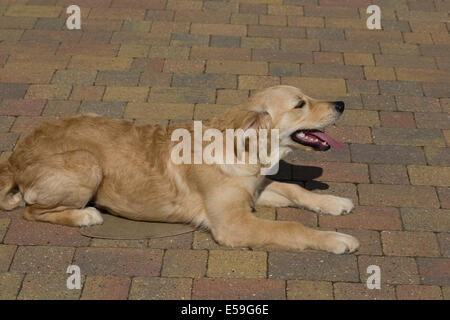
<point x="316" y="139"/>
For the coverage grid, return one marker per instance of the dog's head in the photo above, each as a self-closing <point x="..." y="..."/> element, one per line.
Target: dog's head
<point x="298" y="118"/>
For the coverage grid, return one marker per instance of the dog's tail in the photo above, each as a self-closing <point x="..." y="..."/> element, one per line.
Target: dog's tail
<point x="8" y="200"/>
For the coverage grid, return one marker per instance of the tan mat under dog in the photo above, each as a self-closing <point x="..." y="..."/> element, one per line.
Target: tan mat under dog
<point x="123" y="229"/>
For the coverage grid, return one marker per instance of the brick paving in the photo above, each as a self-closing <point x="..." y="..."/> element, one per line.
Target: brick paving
<point x="166" y="61"/>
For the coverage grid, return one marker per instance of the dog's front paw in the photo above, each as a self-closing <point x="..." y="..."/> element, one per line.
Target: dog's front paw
<point x="334" y="205"/>
<point x="338" y="243"/>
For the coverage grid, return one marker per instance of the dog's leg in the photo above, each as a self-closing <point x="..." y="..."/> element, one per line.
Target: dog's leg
<point x="286" y="194"/>
<point x="57" y="189"/>
<point x="233" y="224"/>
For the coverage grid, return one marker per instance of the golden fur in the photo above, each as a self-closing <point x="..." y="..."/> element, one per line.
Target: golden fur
<point x="127" y="170"/>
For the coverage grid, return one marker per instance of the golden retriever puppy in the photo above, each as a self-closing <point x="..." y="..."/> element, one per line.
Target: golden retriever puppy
<point x="129" y="171"/>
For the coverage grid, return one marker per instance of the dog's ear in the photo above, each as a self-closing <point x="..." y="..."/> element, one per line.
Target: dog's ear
<point x="255" y="120"/>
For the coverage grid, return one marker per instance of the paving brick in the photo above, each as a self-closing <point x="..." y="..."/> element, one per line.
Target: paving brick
<point x="394" y="270"/>
<point x="4" y="224"/>
<point x="273" y="20"/>
<point x="432" y="120"/>
<point x="400" y="88"/>
<point x="379" y="73"/>
<point x="398" y="195"/>
<point x="184" y="263"/>
<point x="6" y="123"/>
<point x="13" y="90"/>
<point x="434" y="271"/>
<point x="444" y="243"/>
<point x="209" y="53"/>
<point x="417" y="37"/>
<point x="331" y="71"/>
<point x="90" y="93"/>
<point x="10" y="284"/>
<point x="147" y="65"/>
<point x="182" y="95"/>
<point x="378" y="102"/>
<point x="362" y="87"/>
<point x="327" y="58"/>
<point x="139" y="4"/>
<point x="20" y="74"/>
<point x="160" y="289"/>
<point x="158" y="111"/>
<point x="8" y="141"/>
<point x="418" y="104"/>
<point x="426" y="175"/>
<point x="358" y="59"/>
<point x="388" y="174"/>
<point x="134" y="94"/>
<point x="74" y="77"/>
<point x="22" y="232"/>
<point x="106" y="288"/>
<point x="40" y="259"/>
<point x="33" y="11"/>
<point x="417" y="219"/>
<point x="100" y="63"/>
<point x="312" y="266"/>
<point x="444" y="197"/>
<point x="6" y="256"/>
<point x="237" y="67"/>
<point x="133" y="50"/>
<point x="37" y="286"/>
<point x="61" y="108"/>
<point x="254" y="289"/>
<point x="73" y="49"/>
<point x="408" y="137"/>
<point x="401" y="243"/>
<point x="365" y="217"/>
<point x="362" y="118"/>
<point x="138" y="38"/>
<point x="204" y="80"/>
<point x="237" y="264"/>
<point x="276" y="32"/>
<point x="227" y="96"/>
<point x="350" y="134"/>
<point x="305" y="217"/>
<point x="318" y="87"/>
<point x="153" y="79"/>
<point x="224" y="41"/>
<point x="287" y="56"/>
<point x="112" y="109"/>
<point x="284" y="69"/>
<point x="257" y="82"/>
<point x="300" y="44"/>
<point x="350" y="46"/>
<point x="160" y="15"/>
<point x="221" y="6"/>
<point x="48" y="91"/>
<point x="309" y="290"/>
<point x="397" y="119"/>
<point x="259" y="43"/>
<point x="416" y="292"/>
<point x="219" y="29"/>
<point x="119" y="261"/>
<point x="424" y="75"/>
<point x="244" y="18"/>
<point x="359" y="291"/>
<point x="208" y="111"/>
<point x="438" y="90"/>
<point x="17" y="107"/>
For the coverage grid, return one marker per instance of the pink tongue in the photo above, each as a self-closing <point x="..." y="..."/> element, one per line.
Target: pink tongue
<point x="323" y="136"/>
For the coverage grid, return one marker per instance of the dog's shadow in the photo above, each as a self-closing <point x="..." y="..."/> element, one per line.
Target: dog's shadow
<point x="301" y="175"/>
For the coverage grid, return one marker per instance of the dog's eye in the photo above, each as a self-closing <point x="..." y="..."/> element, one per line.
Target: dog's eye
<point x="300" y="104"/>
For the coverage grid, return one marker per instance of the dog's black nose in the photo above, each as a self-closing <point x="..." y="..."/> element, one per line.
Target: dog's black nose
<point x="339" y="106"/>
